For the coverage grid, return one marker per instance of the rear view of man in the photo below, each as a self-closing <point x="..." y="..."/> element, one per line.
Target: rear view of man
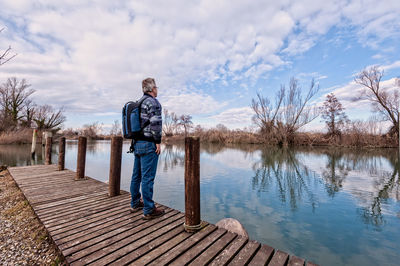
<point x="147" y="149"/>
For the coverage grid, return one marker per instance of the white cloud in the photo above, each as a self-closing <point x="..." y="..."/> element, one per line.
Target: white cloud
<point x="234" y="117"/>
<point x="92" y="58"/>
<point x="192" y="103"/>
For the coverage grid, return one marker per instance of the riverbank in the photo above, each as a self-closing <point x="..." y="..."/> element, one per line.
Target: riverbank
<point x="23" y="238"/>
<point x="225" y="136"/>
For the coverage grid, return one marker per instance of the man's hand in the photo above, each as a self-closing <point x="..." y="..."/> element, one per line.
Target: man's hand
<point x="158" y="149"/>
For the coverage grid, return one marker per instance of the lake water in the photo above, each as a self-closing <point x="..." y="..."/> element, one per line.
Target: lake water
<point x="330" y="206"/>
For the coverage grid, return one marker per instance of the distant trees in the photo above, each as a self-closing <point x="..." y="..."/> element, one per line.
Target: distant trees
<point x="384" y="101"/>
<point x="46" y="117"/>
<point x="116" y="129"/>
<point x="14" y="96"/>
<point x="173" y="123"/>
<point x="333" y="113"/>
<point x="18" y="110"/>
<point x="186" y="122"/>
<point x="287" y="114"/>
<point x="91" y="130"/>
<point x="169" y="123"/>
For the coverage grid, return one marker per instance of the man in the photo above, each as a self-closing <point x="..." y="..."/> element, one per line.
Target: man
<point x="147" y="149"/>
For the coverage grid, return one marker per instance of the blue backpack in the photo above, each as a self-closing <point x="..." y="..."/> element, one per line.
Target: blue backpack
<point x="131" y="127"/>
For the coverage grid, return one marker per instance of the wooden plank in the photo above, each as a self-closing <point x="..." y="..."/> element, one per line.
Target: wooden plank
<point x="96" y="251"/>
<point x="70" y="200"/>
<point x="245" y="254"/>
<point x="88" y="208"/>
<point x="91" y="230"/>
<point x="77" y="194"/>
<point x="56" y="220"/>
<point x="296" y="261"/>
<point x="280" y="258"/>
<point x="73" y="204"/>
<point x="81" y="223"/>
<point x="196" y="250"/>
<point x="311" y="264"/>
<point x="121" y="256"/>
<point x="211" y="252"/>
<point x="152" y="245"/>
<point x="41" y="199"/>
<point x="263" y="256"/>
<point x="185" y="245"/>
<point x="85" y="217"/>
<point x="165" y="247"/>
<point x="230" y="251"/>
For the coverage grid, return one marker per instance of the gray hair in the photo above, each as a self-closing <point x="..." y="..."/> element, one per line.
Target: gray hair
<point x="148" y="84"/>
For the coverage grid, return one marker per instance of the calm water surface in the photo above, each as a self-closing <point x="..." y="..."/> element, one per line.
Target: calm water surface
<point x="331" y="206"/>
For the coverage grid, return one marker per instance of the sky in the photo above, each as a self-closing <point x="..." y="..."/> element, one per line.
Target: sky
<point x="209" y="58"/>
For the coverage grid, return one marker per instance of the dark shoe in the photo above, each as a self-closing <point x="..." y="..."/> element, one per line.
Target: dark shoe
<point x="154" y="214"/>
<point x="137" y="207"/>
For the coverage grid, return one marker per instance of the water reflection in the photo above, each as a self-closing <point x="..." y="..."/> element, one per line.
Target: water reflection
<point x="282" y="170"/>
<point x="172" y="156"/>
<point x="19" y="155"/>
<point x="371" y="176"/>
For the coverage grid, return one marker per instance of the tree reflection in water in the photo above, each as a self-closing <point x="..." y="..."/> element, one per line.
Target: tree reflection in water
<point x="281" y="167"/>
<point x="386" y="183"/>
<point x="172" y="156"/>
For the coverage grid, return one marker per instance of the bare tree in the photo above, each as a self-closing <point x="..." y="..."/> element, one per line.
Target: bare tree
<point x="6" y="55"/>
<point x="383" y="101"/>
<point x="28" y="112"/>
<point x="290" y="112"/>
<point x="334" y="115"/>
<point x="116" y="129"/>
<point x="91" y="130"/>
<point x="186" y="122"/>
<point x="265" y="112"/>
<point x="14" y="95"/>
<point x="47" y="118"/>
<point x="169" y="123"/>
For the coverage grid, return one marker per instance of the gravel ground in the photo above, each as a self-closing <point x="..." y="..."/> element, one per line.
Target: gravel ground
<point x="23" y="239"/>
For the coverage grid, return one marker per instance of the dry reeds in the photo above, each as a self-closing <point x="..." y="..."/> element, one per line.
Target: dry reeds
<point x="20" y="136"/>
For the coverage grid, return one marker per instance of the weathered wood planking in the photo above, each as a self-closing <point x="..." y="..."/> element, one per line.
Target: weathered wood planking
<point x="90" y="228"/>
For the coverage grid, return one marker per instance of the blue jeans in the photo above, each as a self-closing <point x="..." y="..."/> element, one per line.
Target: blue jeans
<point x="144" y="172"/>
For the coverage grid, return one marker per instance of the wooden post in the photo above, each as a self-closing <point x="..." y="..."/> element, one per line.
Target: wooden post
<point x="48" y="150"/>
<point x="80" y="165"/>
<point x="115" y="166"/>
<point x="61" y="154"/>
<point x="33" y="149"/>
<point x="192" y="184"/>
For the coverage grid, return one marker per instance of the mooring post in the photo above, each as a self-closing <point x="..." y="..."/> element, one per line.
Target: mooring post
<point x="61" y="154"/>
<point x="80" y="165"/>
<point x="192" y="184"/>
<point x="33" y="149"/>
<point x="115" y="166"/>
<point x="49" y="145"/>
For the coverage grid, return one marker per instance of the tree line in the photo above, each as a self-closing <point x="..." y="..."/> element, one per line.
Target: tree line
<point x="280" y="119"/>
<point x="18" y="110"/>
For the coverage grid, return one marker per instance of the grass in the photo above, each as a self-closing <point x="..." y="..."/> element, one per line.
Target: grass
<point x="21" y="136"/>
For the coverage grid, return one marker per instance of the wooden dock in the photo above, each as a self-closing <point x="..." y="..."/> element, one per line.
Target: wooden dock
<point x="89" y="227"/>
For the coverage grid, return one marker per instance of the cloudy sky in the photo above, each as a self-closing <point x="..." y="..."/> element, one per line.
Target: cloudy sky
<point x="209" y="58"/>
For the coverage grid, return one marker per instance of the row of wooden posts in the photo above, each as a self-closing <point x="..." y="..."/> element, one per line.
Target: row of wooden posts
<point x="192" y="172"/>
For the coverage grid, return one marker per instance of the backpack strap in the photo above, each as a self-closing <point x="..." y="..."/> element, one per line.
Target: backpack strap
<point x="140" y="110"/>
<point x="132" y="147"/>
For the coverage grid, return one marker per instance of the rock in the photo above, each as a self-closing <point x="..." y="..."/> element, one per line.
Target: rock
<point x="233" y="226"/>
<point x="3" y="167"/>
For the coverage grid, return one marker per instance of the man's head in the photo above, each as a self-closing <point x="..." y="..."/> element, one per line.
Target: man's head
<point x="149" y="86"/>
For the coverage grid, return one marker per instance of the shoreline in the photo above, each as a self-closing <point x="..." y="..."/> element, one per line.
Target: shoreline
<point x="24" y="240"/>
